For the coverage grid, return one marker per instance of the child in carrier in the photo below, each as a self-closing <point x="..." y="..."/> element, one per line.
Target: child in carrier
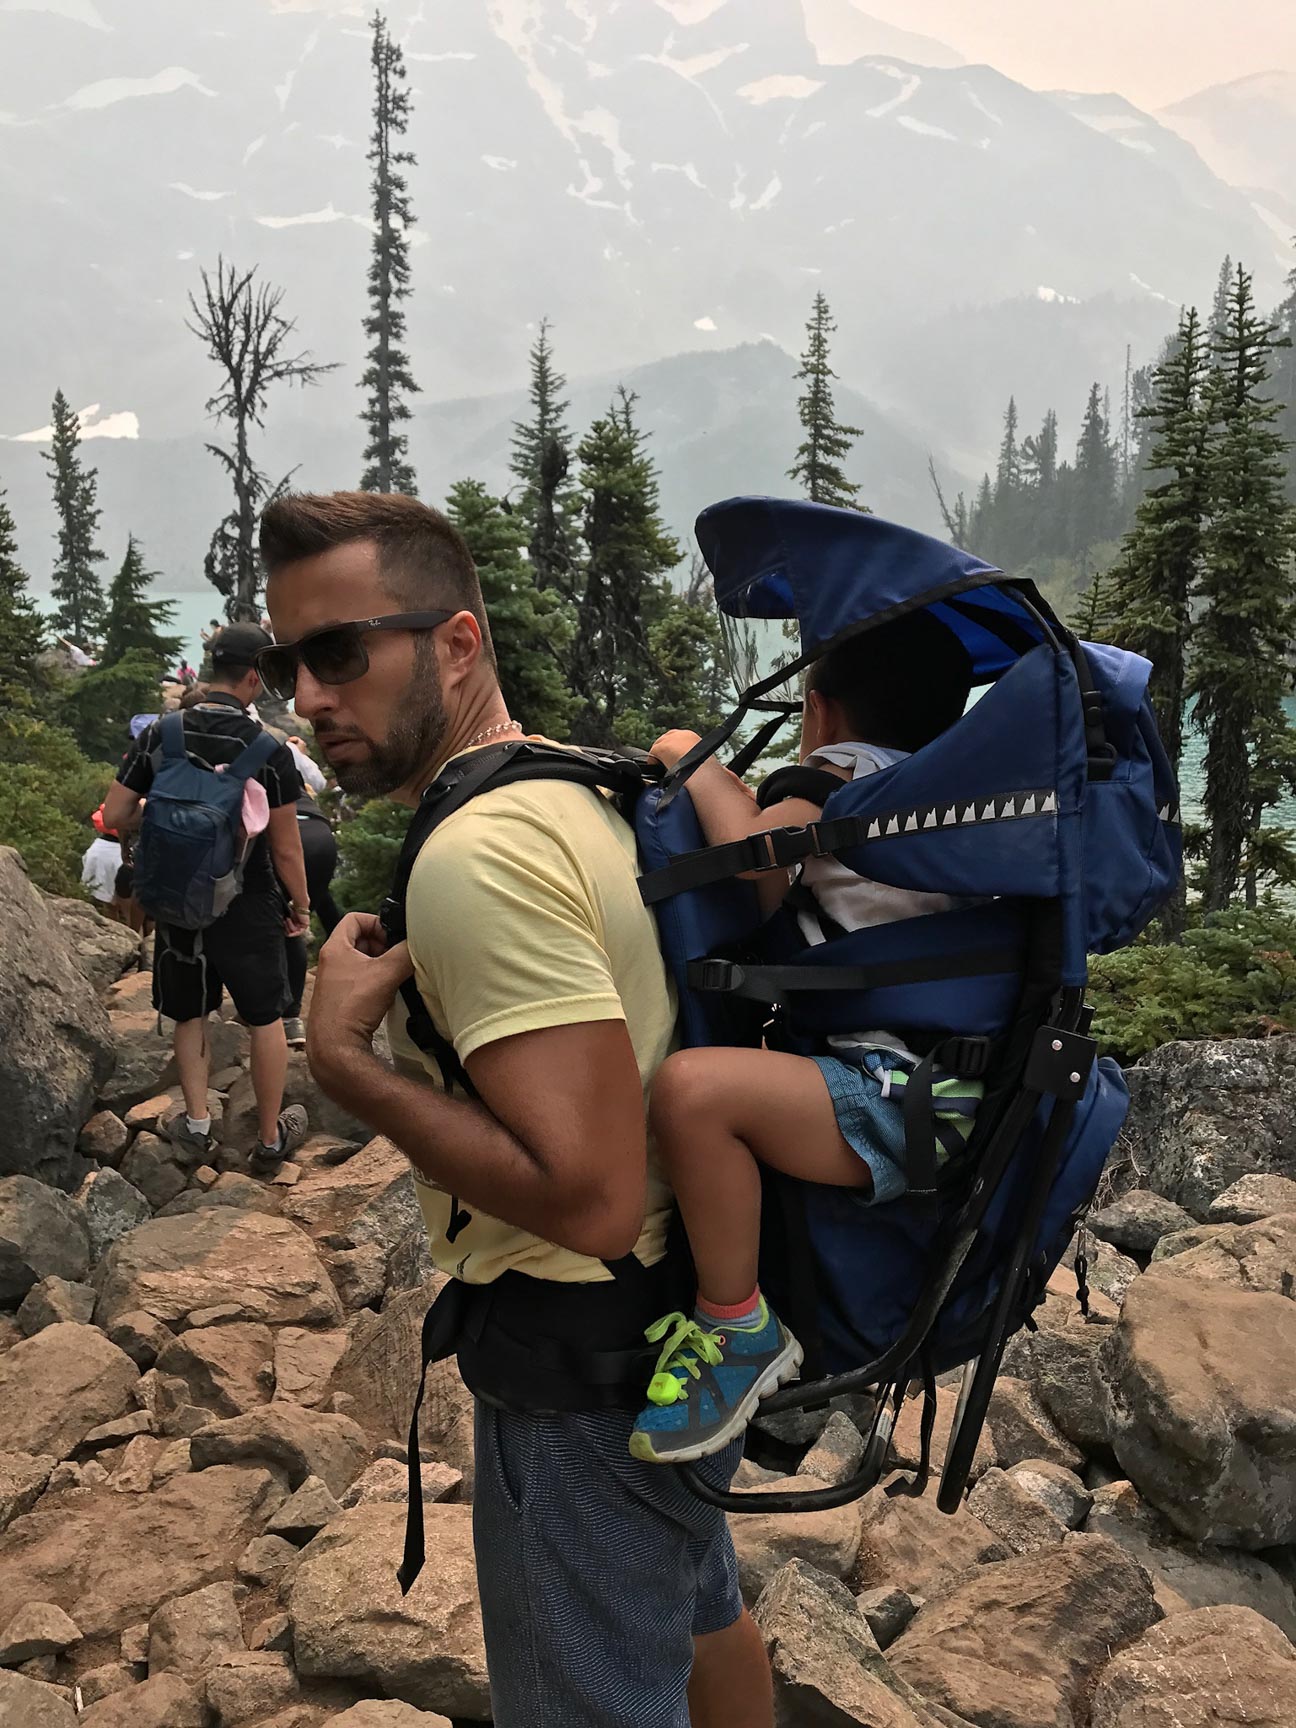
<point x="717" y="1115"/>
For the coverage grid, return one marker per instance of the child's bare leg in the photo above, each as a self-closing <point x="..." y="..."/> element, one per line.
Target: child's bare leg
<point x="717" y="1115"/>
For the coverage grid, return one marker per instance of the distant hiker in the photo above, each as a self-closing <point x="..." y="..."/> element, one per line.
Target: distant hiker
<point x="206" y="636"/>
<point x="719" y="1114"/>
<point x="242" y="949"/>
<point x="319" y="848"/>
<point x="99" y="868"/>
<point x="185" y="674"/>
<point x="609" y="1593"/>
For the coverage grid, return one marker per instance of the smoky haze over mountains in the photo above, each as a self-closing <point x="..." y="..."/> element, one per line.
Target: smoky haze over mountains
<point x="670" y="193"/>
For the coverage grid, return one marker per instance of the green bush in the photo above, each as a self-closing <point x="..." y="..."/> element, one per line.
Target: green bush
<point x="1234" y="976"/>
<point x="48" y="791"/>
<point x="368" y="846"/>
<point x="97" y="708"/>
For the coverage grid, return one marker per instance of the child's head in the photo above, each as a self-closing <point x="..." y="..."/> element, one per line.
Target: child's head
<point x="899" y="686"/>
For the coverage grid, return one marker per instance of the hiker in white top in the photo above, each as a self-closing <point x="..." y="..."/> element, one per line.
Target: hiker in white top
<point x="99" y="867"/>
<point x="717" y="1115"/>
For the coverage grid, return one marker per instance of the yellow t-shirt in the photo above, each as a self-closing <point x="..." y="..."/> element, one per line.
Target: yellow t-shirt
<point x="523" y="912"/>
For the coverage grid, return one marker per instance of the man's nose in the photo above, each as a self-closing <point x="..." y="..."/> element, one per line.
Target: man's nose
<point x="311" y="699"/>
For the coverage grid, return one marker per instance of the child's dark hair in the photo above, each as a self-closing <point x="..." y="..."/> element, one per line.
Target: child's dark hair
<point x="901" y="684"/>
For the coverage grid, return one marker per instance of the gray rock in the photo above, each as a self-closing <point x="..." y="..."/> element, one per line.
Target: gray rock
<point x="112" y="1206"/>
<point x="388" y="1480"/>
<point x="766" y="1541"/>
<point x="42" y="1232"/>
<point x="1252" y="1198"/>
<point x="157" y="1169"/>
<point x="104" y="1138"/>
<point x="305" y="1514"/>
<point x="187" y="1633"/>
<point x="57" y="1386"/>
<point x="37" y="1629"/>
<point x="1064" y="1372"/>
<point x="1019" y="1427"/>
<point x="1205" y="1113"/>
<point x="359" y="1274"/>
<point x="351" y="1622"/>
<point x="888" y="1611"/>
<point x="1260" y="1256"/>
<point x="907" y="1544"/>
<point x="1138" y="1220"/>
<point x="1110" y="1272"/>
<point x="266" y="1558"/>
<point x="291" y="1439"/>
<point x="105" y="1681"/>
<point x="388" y="1713"/>
<point x="409" y="1265"/>
<point x="326" y="1117"/>
<point x="118" y="1432"/>
<point x="101" y="949"/>
<point x="838" y="1452"/>
<point x="1218" y="1665"/>
<point x="248" y="1685"/>
<point x="31" y="1704"/>
<point x="1203" y="1415"/>
<point x="262" y="1268"/>
<point x="826" y="1664"/>
<point x="140" y="1336"/>
<point x="56" y="1041"/>
<point x="23" y="1477"/>
<point x="1061" y="1491"/>
<point x="53" y="1301"/>
<point x="162" y="1701"/>
<point x="1020" y="1521"/>
<point x="230" y="1189"/>
<point x="144" y="1063"/>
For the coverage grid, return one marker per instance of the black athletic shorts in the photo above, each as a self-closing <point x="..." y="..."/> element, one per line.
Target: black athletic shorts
<point x="243" y="952"/>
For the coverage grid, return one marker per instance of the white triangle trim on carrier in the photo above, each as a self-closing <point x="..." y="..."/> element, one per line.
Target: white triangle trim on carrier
<point x="1002" y="807"/>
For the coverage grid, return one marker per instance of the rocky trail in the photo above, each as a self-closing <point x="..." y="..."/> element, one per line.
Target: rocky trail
<point x="205" y="1385"/>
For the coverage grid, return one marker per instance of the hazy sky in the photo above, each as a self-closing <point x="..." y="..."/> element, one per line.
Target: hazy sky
<point x="1153" y="51"/>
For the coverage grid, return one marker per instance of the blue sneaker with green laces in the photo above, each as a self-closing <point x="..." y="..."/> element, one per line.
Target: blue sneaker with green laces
<point x="708" y="1383"/>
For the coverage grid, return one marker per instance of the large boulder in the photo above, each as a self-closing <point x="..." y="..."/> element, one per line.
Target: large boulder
<point x="351" y="1622"/>
<point x="328" y="1197"/>
<point x="826" y="1663"/>
<point x="907" y="1543"/>
<point x="1260" y="1256"/>
<point x="1204" y="1407"/>
<point x="43" y="1234"/>
<point x="226" y="1369"/>
<point x="1063" y="1369"/>
<point x="289" y="1438"/>
<point x="1214" y="1666"/>
<point x="1185" y="1575"/>
<point x="28" y="1703"/>
<point x="163" y="1701"/>
<point x="145" y="1065"/>
<point x="57" y="1047"/>
<point x="101" y="948"/>
<point x="259" y="1267"/>
<point x="765" y="1541"/>
<point x="1252" y="1198"/>
<point x="22" y="1482"/>
<point x="1205" y="1113"/>
<point x="58" y="1385"/>
<point x="1137" y="1221"/>
<point x="111" y="1559"/>
<point x="111" y="1207"/>
<point x="1017" y="1645"/>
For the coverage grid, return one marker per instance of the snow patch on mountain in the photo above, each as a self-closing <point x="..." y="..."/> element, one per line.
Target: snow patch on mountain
<point x="696" y="65"/>
<point x="106" y="91"/>
<point x="780" y="87"/>
<point x="925" y="127"/>
<point x="252" y="149"/>
<point x="768" y="196"/>
<point x="1051" y="297"/>
<point x="910" y="82"/>
<point x="687" y="169"/>
<point x="501" y="164"/>
<point x="193" y="192"/>
<point x="309" y="218"/>
<point x="704" y="323"/>
<point x="979" y="105"/>
<point x="79" y="11"/>
<point x="1149" y="289"/>
<point x="448" y="54"/>
<point x="123" y="424"/>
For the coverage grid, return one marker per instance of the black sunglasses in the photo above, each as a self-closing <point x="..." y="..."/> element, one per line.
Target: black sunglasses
<point x="333" y="654"/>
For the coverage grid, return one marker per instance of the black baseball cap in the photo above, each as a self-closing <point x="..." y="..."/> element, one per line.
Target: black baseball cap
<point x="239" y="644"/>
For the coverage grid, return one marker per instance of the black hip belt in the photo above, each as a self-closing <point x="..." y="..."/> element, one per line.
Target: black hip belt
<point x="532" y="1345"/>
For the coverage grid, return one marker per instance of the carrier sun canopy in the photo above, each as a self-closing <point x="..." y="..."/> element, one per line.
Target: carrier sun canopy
<point x="839" y="571"/>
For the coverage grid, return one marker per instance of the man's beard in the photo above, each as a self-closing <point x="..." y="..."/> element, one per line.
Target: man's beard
<point x="412" y="744"/>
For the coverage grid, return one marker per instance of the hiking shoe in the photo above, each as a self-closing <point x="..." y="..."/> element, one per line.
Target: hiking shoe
<point x="708" y="1384"/>
<point x="192" y="1147"/>
<point x="293" y="1123"/>
<point x="295" y="1033"/>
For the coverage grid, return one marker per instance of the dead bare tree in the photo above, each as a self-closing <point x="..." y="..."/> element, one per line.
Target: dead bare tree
<point x="247" y="336"/>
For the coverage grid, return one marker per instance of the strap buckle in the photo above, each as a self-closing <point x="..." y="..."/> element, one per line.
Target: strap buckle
<point x="784" y="847"/>
<point x="968" y="1057"/>
<point x="714" y="975"/>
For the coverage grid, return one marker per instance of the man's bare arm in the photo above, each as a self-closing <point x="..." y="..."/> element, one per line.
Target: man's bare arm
<point x="557" y="1146"/>
<point x="120" y="807"/>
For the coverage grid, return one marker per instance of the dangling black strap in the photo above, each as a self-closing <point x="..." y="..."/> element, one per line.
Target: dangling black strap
<point x="755" y="746"/>
<point x="927" y="1426"/>
<point x="443" y="1326"/>
<point x="920" y="1128"/>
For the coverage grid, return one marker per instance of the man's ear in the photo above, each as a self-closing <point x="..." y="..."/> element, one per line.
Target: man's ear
<point x="459" y="646"/>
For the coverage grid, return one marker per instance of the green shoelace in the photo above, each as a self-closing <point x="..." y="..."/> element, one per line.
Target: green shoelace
<point x="686" y="1343"/>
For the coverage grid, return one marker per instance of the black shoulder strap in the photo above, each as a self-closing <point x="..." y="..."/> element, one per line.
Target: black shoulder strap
<point x="463" y="779"/>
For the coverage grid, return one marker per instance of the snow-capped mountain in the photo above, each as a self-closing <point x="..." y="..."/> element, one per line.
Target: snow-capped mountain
<point x="654" y="175"/>
<point x="1246" y="131"/>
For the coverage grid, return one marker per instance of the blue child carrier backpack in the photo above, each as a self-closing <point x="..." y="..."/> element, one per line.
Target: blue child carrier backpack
<point x="1049" y="805"/>
<point x="189" y="857"/>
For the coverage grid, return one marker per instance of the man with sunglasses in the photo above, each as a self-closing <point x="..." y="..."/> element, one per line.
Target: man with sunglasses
<point x="609" y="1593"/>
<point x="243" y="951"/>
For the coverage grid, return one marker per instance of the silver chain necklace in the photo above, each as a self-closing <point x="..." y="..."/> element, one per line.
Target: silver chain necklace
<point x="493" y="732"/>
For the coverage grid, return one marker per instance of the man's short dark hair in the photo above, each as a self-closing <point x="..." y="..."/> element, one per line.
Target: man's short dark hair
<point x="423" y="559"/>
<point x="901" y="684"/>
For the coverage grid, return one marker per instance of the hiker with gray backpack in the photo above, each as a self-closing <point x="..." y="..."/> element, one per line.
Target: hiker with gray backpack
<point x="218" y="864"/>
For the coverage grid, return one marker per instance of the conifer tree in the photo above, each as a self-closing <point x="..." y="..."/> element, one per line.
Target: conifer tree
<point x="818" y="459"/>
<point x="387" y="376"/>
<point x="541" y="459"/>
<point x="531" y="629"/>
<point x="1039" y="460"/>
<point x="1223" y="297"/>
<point x="1285" y="379"/>
<point x="1095" y="611"/>
<point x="134" y="621"/>
<point x="1244" y="637"/>
<point x="1093" y="499"/>
<point x="1163" y="552"/>
<point x="75" y="582"/>
<point x="20" y="626"/>
<point x="1009" y="473"/>
<point x="627" y="551"/>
